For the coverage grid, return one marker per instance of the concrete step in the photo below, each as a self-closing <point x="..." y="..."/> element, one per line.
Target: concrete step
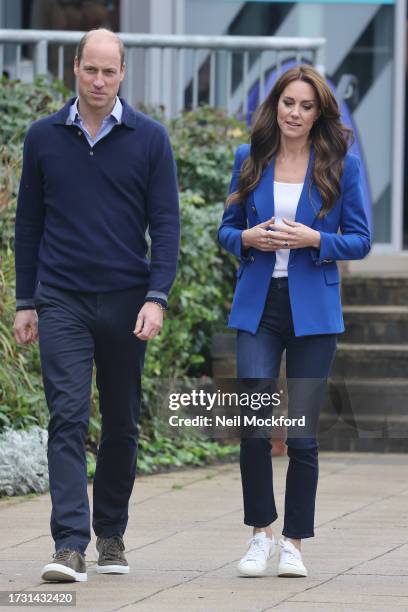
<point x="367" y="434"/>
<point x="366" y="415"/>
<point x="377" y="324"/>
<point x="365" y="426"/>
<point x="382" y="397"/>
<point x="380" y="264"/>
<point x="371" y="361"/>
<point x="380" y="290"/>
<point x="353" y="360"/>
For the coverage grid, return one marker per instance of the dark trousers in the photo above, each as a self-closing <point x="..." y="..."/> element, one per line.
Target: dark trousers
<point x="307" y="357"/>
<point x="76" y="329"/>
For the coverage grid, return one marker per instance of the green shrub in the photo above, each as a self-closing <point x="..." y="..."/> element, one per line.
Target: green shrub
<point x="204" y="141"/>
<point x="20" y="105"/>
<point x="21" y="392"/>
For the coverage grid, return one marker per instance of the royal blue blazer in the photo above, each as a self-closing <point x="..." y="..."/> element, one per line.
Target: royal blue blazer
<point x="313" y="276"/>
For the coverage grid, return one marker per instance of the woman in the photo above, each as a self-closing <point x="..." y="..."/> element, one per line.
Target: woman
<point x="292" y="189"/>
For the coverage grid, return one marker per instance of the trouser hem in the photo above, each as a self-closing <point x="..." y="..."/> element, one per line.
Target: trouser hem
<point x="109" y="533"/>
<point x="259" y="525"/>
<point x="297" y="536"/>
<point x="72" y="545"/>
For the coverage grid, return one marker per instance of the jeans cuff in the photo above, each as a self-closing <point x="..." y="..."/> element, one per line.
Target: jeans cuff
<point x="259" y="525"/>
<point x="309" y="534"/>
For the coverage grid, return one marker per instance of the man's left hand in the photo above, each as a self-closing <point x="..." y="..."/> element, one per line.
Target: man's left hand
<point x="149" y="321"/>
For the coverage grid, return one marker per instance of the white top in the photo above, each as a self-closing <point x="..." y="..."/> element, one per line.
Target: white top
<point x="286" y="197"/>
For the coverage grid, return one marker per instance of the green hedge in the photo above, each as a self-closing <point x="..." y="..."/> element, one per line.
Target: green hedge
<point x="204" y="142"/>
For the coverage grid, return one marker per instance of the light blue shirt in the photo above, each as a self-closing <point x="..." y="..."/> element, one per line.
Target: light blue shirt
<point x="107" y="124"/>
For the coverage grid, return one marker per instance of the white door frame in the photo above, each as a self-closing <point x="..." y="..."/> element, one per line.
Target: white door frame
<point x="398" y="145"/>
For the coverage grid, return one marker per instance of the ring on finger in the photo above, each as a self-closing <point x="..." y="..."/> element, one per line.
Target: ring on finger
<point x="286" y="244"/>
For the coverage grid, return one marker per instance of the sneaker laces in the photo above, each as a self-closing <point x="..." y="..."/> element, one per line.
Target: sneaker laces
<point x="257" y="548"/>
<point x="64" y="554"/>
<point x="291" y="551"/>
<point x="111" y="547"/>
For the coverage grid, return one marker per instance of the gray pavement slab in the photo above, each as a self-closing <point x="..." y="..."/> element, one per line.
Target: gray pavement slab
<point x="185" y="536"/>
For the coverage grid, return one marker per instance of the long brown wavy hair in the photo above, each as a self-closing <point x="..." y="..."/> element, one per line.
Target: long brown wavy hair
<point x="329" y="137"/>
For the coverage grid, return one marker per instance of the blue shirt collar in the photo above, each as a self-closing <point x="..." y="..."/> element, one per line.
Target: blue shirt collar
<point x="116" y="112"/>
<point x="130" y="116"/>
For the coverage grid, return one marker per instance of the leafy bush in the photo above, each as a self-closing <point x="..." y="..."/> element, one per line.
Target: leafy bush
<point x="203" y="141"/>
<point x="21" y="390"/>
<point x="159" y="451"/>
<point x="20" y="105"/>
<point x="197" y="299"/>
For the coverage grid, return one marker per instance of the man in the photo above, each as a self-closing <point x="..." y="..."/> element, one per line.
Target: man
<point x="95" y="175"/>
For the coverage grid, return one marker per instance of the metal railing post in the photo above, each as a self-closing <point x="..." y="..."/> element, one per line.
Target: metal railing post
<point x="41" y="58"/>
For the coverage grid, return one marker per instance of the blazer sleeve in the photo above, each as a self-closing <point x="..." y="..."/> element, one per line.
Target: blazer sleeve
<point x="234" y="219"/>
<point x="354" y="242"/>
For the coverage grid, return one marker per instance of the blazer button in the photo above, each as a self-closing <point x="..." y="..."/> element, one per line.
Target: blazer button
<point x="252" y="259"/>
<point x="253" y="209"/>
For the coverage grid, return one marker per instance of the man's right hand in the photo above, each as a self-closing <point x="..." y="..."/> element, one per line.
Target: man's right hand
<point x="25" y="327"/>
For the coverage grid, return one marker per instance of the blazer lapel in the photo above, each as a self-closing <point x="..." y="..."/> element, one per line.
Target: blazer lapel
<point x="263" y="193"/>
<point x="310" y="201"/>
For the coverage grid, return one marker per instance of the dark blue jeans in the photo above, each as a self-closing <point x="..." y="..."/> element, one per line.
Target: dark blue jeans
<point x="307" y="357"/>
<point x="76" y="329"/>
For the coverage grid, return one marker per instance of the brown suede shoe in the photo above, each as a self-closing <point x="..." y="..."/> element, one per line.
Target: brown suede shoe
<point x="67" y="566"/>
<point x="112" y="559"/>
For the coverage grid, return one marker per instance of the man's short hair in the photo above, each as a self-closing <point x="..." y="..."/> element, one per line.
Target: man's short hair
<point x="84" y="40"/>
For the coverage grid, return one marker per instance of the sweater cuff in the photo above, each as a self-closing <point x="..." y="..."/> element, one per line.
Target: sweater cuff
<point x="25" y="304"/>
<point x="157" y="296"/>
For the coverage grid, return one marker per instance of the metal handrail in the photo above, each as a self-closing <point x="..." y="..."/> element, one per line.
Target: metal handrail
<point x="164" y="58"/>
<point x="175" y="41"/>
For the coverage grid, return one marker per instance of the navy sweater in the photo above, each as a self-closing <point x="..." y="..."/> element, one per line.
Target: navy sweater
<point x="83" y="212"/>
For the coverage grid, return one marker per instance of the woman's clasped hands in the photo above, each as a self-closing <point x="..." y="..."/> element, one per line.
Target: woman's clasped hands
<point x="271" y="236"/>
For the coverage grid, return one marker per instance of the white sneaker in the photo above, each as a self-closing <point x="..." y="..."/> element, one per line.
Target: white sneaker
<point x="290" y="562"/>
<point x="260" y="550"/>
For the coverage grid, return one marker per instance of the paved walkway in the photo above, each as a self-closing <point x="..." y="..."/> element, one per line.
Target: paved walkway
<point x="185" y="536"/>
